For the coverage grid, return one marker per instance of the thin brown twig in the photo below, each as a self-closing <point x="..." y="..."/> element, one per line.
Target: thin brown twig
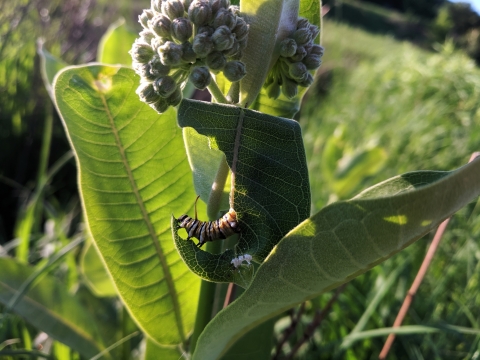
<point x="230" y="296"/>
<point x="317" y="320"/>
<point x="295" y="319"/>
<point x="418" y="280"/>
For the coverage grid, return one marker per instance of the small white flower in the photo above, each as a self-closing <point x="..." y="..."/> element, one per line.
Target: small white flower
<point x="240" y="259"/>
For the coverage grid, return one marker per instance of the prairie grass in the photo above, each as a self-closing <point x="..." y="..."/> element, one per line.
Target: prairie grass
<point x="387" y="108"/>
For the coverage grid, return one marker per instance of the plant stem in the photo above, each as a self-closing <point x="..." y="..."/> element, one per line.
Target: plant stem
<point x="317" y="320"/>
<point x="289" y="331"/>
<point x="205" y="301"/>
<point x="230" y="296"/>
<point x="234" y="92"/>
<point x="215" y="197"/>
<point x="42" y="167"/>
<point x="216" y="93"/>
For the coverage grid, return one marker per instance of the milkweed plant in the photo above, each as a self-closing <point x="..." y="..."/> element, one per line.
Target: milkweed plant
<point x="145" y="151"/>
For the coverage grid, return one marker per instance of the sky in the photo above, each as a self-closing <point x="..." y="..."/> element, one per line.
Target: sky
<point x="475" y="4"/>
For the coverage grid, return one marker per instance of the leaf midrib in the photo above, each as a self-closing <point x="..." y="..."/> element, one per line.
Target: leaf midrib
<point x="146" y="218"/>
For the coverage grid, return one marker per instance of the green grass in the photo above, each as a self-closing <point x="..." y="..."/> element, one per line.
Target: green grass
<point x="422" y="111"/>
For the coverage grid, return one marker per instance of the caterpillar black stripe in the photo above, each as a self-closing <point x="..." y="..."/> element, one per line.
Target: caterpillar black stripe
<point x="205" y="231"/>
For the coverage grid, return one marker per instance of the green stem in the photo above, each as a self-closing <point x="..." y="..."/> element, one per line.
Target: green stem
<point x="215" y="198"/>
<point x="216" y="93"/>
<point x="234" y="92"/>
<point x="205" y="302"/>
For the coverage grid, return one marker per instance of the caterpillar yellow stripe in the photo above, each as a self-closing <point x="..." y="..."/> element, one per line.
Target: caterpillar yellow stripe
<point x="206" y="231"/>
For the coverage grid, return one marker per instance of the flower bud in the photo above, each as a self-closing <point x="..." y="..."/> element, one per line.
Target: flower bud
<point x="202" y="45"/>
<point x="157" y="68"/>
<point x="234" y="71"/>
<point x="299" y="54"/>
<point x="307" y="81"/>
<point x="141" y="52"/>
<point x="200" y="12"/>
<point x="147" y="93"/>
<point x="161" y="105"/>
<point x="224" y="17"/>
<point x="188" y="55"/>
<point x="216" y="60"/>
<point x="234" y="50"/>
<point x="312" y="61"/>
<point x="219" y="4"/>
<point x="205" y="30"/>
<point x="289" y="87"/>
<point x="157" y="42"/>
<point x="234" y="9"/>
<point x="147" y="36"/>
<point x="316" y="50"/>
<point x="170" y="53"/>
<point x="160" y="25"/>
<point x="143" y="70"/>
<point x="144" y="17"/>
<point x="173" y="8"/>
<point x="302" y="36"/>
<point x="223" y="38"/>
<point x="243" y="43"/>
<point x="314" y="31"/>
<point x="200" y="77"/>
<point x="240" y="29"/>
<point x="164" y="86"/>
<point x="156" y="5"/>
<point x="288" y="47"/>
<point x="273" y="90"/>
<point x="186" y="4"/>
<point x="181" y="29"/>
<point x="175" y="98"/>
<point x="302" y="23"/>
<point x="297" y="71"/>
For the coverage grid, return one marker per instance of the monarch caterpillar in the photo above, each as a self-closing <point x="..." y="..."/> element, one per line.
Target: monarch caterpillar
<point x="209" y="230"/>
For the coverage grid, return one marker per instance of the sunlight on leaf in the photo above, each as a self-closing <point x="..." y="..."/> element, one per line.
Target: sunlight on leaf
<point x="271" y="193"/>
<point x="342" y="241"/>
<point x="132" y="177"/>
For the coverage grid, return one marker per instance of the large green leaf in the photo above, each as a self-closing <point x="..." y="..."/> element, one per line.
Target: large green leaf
<point x="94" y="272"/>
<point x="271" y="194"/>
<point x="50" y="308"/>
<point x="49" y="66"/>
<point x="116" y="43"/>
<point x="340" y="242"/>
<point x="154" y="351"/>
<point x="133" y="173"/>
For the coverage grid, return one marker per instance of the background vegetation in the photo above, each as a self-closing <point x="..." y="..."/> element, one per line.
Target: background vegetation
<point x="379" y="107"/>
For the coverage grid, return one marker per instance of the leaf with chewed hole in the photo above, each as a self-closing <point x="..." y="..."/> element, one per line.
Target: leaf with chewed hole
<point x="342" y="241"/>
<point x="133" y="174"/>
<point x="271" y="193"/>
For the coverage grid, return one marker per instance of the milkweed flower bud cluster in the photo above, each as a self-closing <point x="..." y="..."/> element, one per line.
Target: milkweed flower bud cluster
<point x="185" y="39"/>
<point x="298" y="55"/>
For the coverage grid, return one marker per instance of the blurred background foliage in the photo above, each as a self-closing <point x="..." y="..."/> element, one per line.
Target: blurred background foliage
<point x="399" y="90"/>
